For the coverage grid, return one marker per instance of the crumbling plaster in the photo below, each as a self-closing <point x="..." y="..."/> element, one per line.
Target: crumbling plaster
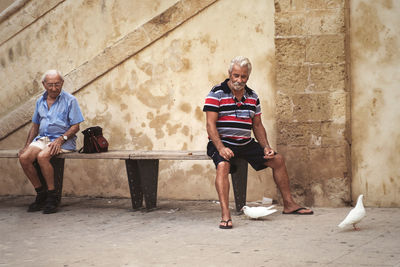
<point x="154" y="99"/>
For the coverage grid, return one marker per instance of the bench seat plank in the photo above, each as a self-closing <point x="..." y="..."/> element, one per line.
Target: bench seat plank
<point x="8" y="153"/>
<point x="169" y="155"/>
<point x="112" y="154"/>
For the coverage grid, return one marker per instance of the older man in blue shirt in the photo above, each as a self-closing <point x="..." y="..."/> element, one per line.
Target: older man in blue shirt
<point x="54" y="124"/>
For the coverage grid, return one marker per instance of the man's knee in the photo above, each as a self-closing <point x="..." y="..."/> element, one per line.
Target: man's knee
<point x="24" y="159"/>
<point x="43" y="157"/>
<point x="223" y="166"/>
<point x="276" y="162"/>
<point x="28" y="157"/>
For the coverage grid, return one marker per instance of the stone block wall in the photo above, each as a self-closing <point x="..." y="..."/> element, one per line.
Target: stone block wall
<point x="312" y="99"/>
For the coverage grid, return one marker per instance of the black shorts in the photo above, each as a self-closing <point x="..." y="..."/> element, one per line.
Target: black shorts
<point x="253" y="153"/>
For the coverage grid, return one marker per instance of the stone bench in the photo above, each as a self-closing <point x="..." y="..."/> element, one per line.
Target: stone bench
<point x="142" y="172"/>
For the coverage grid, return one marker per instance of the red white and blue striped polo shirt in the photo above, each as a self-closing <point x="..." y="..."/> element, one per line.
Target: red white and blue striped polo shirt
<point x="235" y="117"/>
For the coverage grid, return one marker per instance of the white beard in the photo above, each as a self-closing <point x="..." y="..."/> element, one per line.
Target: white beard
<point x="238" y="86"/>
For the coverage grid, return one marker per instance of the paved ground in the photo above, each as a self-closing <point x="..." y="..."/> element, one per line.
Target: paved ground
<point x="104" y="232"/>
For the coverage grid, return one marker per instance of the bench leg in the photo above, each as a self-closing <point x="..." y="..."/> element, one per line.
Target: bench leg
<point x="135" y="187"/>
<point x="143" y="182"/>
<point x="239" y="183"/>
<point x="58" y="166"/>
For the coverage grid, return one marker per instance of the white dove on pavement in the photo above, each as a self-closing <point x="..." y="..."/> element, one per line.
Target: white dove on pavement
<point x="256" y="212"/>
<point x="355" y="215"/>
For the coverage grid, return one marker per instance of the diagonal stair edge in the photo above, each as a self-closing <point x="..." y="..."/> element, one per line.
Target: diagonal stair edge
<point x="111" y="57"/>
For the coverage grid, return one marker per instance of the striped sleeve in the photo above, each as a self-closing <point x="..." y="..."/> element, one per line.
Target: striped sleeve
<point x="212" y="102"/>
<point x="258" y="107"/>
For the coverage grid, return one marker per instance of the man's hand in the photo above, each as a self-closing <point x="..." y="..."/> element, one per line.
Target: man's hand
<point x="55" y="146"/>
<point x="226" y="153"/>
<point x="269" y="153"/>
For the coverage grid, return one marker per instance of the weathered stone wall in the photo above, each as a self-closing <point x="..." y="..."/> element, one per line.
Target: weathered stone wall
<point x="375" y="76"/>
<point x="312" y="100"/>
<point x="141" y="70"/>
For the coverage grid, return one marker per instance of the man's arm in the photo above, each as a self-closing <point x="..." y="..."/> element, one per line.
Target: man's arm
<point x="33" y="132"/>
<point x="55" y="146"/>
<point x="212" y="131"/>
<point x="261" y="136"/>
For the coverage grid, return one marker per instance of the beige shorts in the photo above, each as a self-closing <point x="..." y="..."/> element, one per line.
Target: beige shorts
<point x="45" y="141"/>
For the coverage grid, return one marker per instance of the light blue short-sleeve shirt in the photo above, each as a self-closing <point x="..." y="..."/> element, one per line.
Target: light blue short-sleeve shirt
<point x="55" y="121"/>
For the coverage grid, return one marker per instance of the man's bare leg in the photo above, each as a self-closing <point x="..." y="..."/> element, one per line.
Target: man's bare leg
<point x="222" y="186"/>
<point x="26" y="160"/>
<point x="45" y="166"/>
<point x="281" y="178"/>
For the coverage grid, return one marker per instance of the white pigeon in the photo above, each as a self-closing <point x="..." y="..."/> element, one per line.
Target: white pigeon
<point x="256" y="212"/>
<point x="355" y="215"/>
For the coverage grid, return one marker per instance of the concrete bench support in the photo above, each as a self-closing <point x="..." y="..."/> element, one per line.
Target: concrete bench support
<point x="143" y="181"/>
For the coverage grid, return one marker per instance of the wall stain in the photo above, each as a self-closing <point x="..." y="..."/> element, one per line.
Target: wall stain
<point x="164" y="17"/>
<point x="150" y="116"/>
<point x="176" y="61"/>
<point x="386" y="3"/>
<point x="143" y="125"/>
<point x="11" y="54"/>
<point x="145" y="96"/>
<point x="157" y="123"/>
<point x="63" y="43"/>
<point x="215" y="79"/>
<point x="118" y="138"/>
<point x="140" y="140"/>
<point x="185" y="146"/>
<point x="185" y="107"/>
<point x="259" y="29"/>
<point x="3" y="62"/>
<point x="377" y="102"/>
<point x="172" y="129"/>
<point x="101" y="119"/>
<point x="187" y="45"/>
<point x="199" y="114"/>
<point x="367" y="30"/>
<point x="42" y="31"/>
<point x="185" y="130"/>
<point x="145" y="67"/>
<point x="123" y="106"/>
<point x="127" y="117"/>
<point x="206" y="40"/>
<point x="391" y="54"/>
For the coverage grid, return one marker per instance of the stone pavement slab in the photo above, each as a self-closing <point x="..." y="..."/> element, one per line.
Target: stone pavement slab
<point x="105" y="232"/>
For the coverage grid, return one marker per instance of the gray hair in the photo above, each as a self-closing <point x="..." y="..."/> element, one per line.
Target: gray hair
<point x="242" y="62"/>
<point x="52" y="72"/>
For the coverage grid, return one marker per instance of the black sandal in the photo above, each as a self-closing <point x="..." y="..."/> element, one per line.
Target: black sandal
<point x="225" y="225"/>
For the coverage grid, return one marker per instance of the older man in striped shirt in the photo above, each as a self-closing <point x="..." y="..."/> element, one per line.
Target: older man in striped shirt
<point x="233" y="111"/>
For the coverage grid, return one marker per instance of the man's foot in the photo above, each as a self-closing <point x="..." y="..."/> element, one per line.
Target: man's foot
<point x="299" y="211"/>
<point x="51" y="203"/>
<point x="226" y="224"/>
<point x="39" y="203"/>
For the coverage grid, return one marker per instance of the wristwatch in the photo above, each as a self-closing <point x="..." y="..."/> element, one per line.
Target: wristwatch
<point x="65" y="137"/>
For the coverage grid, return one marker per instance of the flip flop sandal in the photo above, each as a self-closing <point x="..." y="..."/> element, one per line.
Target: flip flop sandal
<point x="225" y="224"/>
<point x="296" y="212"/>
